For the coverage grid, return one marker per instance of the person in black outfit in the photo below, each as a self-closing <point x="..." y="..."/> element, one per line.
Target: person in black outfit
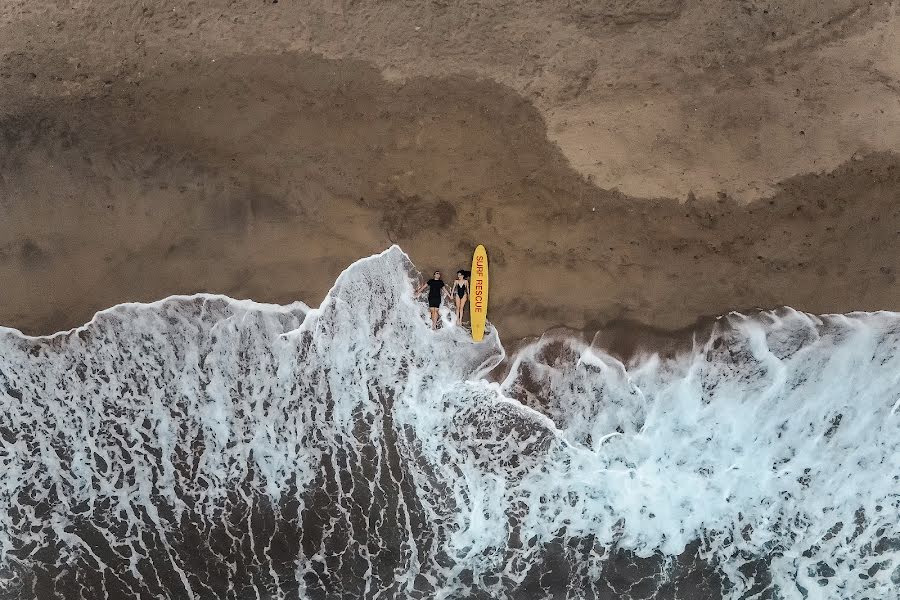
<point x="435" y="287"/>
<point x="460" y="294"/>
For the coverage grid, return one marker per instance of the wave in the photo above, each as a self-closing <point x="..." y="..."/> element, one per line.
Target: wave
<point x="202" y="447"/>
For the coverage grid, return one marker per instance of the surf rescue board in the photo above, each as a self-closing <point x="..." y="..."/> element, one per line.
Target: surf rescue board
<point x="478" y="292"/>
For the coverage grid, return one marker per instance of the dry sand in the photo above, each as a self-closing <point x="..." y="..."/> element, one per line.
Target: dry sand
<point x="624" y="162"/>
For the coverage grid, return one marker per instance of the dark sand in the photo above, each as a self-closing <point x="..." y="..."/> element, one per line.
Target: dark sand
<point x="258" y="150"/>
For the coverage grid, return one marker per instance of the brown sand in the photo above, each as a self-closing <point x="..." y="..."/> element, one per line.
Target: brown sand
<point x="148" y="149"/>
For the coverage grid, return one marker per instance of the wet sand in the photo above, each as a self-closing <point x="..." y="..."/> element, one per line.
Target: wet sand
<point x="258" y="153"/>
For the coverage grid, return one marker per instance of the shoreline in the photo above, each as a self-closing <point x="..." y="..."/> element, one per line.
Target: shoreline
<point x="626" y="341"/>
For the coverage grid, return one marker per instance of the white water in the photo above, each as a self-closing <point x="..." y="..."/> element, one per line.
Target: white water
<point x="775" y="443"/>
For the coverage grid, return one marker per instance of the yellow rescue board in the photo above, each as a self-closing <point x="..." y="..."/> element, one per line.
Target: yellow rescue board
<point x="478" y="292"/>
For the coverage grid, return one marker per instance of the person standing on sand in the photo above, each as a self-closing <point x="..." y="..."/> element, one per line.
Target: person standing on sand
<point x="435" y="286"/>
<point x="460" y="293"/>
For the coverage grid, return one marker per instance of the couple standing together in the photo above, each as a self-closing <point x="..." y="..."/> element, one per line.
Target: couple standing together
<point x="437" y="287"/>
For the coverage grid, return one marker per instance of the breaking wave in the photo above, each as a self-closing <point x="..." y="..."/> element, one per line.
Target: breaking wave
<point x="202" y="447"/>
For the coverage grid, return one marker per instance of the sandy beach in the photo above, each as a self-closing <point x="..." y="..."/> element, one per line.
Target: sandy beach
<point x="624" y="163"/>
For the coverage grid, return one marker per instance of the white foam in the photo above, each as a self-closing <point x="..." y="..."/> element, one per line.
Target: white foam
<point x="737" y="442"/>
<point x="176" y="406"/>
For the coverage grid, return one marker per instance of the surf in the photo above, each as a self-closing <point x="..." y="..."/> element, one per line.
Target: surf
<point x="206" y="447"/>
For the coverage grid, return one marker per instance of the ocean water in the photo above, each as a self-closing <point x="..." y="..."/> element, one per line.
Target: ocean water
<point x="202" y="447"/>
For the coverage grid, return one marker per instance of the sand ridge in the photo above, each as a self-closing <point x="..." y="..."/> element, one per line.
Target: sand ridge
<point x="655" y="98"/>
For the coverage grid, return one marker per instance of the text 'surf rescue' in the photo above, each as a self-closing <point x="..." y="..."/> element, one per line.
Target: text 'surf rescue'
<point x="479" y="284"/>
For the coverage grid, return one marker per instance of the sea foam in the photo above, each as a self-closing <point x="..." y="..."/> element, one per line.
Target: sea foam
<point x="202" y="447"/>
